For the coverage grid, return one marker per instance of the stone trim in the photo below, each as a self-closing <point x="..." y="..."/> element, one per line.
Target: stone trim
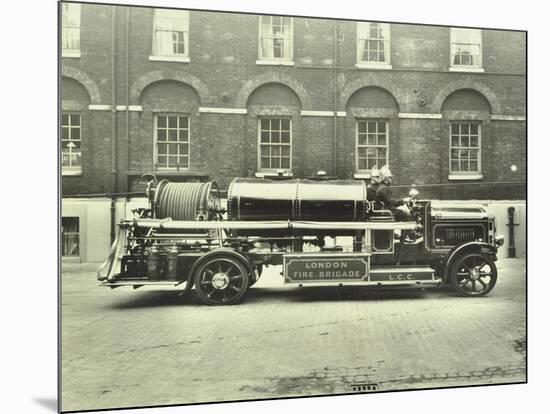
<point x="159" y="75"/>
<point x="99" y="107"/>
<point x="358" y="112"/>
<point x="411" y="115"/>
<point x="317" y="113"/>
<point x="131" y="108"/>
<point x="508" y="118"/>
<point x="466" y="115"/>
<point x="273" y="77"/>
<point x="85" y="80"/>
<point x="208" y="110"/>
<point x="272" y="110"/>
<point x="72" y="105"/>
<point x="459" y="84"/>
<point x="370" y="80"/>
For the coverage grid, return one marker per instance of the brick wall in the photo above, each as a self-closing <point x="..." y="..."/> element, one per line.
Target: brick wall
<point x="222" y="73"/>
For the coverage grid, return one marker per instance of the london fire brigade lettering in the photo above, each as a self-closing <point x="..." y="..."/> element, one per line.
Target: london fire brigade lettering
<point x="326" y="265"/>
<point x="326" y="269"/>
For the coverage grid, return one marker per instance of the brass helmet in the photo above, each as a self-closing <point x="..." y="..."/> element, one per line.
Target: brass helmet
<point x="385" y="173"/>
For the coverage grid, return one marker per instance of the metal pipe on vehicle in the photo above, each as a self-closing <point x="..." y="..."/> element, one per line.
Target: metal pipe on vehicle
<point x="235" y="225"/>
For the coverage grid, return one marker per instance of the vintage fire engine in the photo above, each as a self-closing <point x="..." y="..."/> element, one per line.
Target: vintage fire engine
<point x="185" y="238"/>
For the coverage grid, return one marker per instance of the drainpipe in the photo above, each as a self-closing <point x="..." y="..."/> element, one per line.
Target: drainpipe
<point x="511" y="224"/>
<point x="335" y="132"/>
<point x="113" y="121"/>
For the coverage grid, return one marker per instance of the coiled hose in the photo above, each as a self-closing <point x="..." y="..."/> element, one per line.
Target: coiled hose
<point x="184" y="201"/>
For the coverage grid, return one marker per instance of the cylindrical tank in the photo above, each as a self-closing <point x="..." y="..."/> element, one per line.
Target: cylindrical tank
<point x="297" y="199"/>
<point x="185" y="201"/>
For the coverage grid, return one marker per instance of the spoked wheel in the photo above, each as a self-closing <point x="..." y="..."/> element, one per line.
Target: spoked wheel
<point x="473" y="274"/>
<point x="221" y="280"/>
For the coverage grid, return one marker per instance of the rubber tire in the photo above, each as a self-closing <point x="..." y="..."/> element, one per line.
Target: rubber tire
<point x="454" y="269"/>
<point x="242" y="290"/>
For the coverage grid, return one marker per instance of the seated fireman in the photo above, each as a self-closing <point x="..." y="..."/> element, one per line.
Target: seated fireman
<point x="383" y="196"/>
<point x="373" y="185"/>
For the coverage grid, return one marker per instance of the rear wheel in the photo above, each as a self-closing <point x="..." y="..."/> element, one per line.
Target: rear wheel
<point x="473" y="274"/>
<point x="221" y="280"/>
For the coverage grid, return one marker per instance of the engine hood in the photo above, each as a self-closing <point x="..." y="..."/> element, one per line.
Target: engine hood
<point x="454" y="212"/>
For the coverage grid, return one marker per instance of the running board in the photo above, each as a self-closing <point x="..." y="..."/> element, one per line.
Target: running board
<point x="395" y="284"/>
<point x="139" y="283"/>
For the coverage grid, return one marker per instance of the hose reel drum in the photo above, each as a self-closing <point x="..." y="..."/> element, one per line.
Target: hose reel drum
<point x="187" y="201"/>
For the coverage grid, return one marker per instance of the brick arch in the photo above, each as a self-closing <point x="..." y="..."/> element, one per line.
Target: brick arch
<point x="457" y="85"/>
<point x="273" y="77"/>
<point x="159" y="75"/>
<point x="85" y="80"/>
<point x="365" y="81"/>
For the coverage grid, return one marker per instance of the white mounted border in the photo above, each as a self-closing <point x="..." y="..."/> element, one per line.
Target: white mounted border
<point x="241" y="111"/>
<point x="411" y="115"/>
<point x="508" y="118"/>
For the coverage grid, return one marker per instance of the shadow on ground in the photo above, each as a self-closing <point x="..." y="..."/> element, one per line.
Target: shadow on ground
<point x="151" y="299"/>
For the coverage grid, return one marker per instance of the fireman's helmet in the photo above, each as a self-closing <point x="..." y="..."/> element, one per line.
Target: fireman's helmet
<point x="385" y="172"/>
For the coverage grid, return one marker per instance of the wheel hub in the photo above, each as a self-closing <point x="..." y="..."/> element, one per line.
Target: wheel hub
<point x="220" y="281"/>
<point x="474" y="274"/>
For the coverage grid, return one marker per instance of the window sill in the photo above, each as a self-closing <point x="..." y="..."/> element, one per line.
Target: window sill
<point x="183" y="59"/>
<point x="275" y="62"/>
<point x="362" y="176"/>
<point x="369" y="65"/>
<point x="71" y="259"/>
<point x="70" y="53"/>
<point x="75" y="172"/>
<point x="273" y="174"/>
<point x="466" y="69"/>
<point x="166" y="172"/>
<point x="465" y="177"/>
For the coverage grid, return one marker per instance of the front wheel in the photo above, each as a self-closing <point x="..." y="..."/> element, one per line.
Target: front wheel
<point x="473" y="274"/>
<point x="221" y="280"/>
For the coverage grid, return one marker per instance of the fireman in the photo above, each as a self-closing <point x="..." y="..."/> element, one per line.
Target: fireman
<point x="373" y="185"/>
<point x="384" y="197"/>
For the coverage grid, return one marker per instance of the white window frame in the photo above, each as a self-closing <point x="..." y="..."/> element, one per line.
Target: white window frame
<point x="363" y="35"/>
<point x="286" y="171"/>
<point x="361" y="172"/>
<point x="454" y="43"/>
<point x="181" y="16"/>
<point x="70" y="32"/>
<point x="71" y="169"/>
<point x="156" y="142"/>
<point x="270" y="60"/>
<point x="465" y="175"/>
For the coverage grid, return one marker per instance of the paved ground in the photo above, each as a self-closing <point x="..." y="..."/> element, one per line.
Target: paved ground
<point x="126" y="348"/>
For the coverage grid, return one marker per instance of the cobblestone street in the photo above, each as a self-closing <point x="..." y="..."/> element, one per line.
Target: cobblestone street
<point x="123" y="348"/>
